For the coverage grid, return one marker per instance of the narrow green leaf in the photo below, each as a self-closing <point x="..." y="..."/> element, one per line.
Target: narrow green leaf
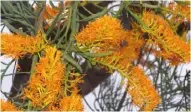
<point x="93" y="16"/>
<point x="13" y="29"/>
<point x="72" y="61"/>
<point x="34" y="61"/>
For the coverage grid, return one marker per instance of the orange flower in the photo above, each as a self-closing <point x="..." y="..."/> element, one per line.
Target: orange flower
<point x="17" y="46"/>
<point x="172" y="47"/>
<point x="68" y="103"/>
<point x="106" y="34"/>
<point x="73" y="101"/>
<point x="50" y="12"/>
<point x="122" y="58"/>
<point x="74" y="80"/>
<point x="141" y="90"/>
<point x="179" y="51"/>
<point x="45" y="83"/>
<point x="181" y="9"/>
<point x="7" y="106"/>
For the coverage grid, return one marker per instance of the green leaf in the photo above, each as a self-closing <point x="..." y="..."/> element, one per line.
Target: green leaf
<point x="93" y="16"/>
<point x="13" y="29"/>
<point x="72" y="61"/>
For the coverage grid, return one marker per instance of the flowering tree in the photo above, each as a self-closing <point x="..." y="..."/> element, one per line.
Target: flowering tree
<point x="51" y="41"/>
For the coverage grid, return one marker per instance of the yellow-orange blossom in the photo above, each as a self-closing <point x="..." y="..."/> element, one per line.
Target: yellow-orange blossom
<point x="106" y="34"/>
<point x="45" y="82"/>
<point x="172" y="47"/>
<point x="17" y="46"/>
<point x="7" y="106"/>
<point x="49" y="72"/>
<point x="141" y="90"/>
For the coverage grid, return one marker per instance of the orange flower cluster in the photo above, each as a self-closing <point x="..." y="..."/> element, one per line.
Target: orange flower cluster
<point x="122" y="58"/>
<point x="7" y="106"/>
<point x="46" y="87"/>
<point x="106" y="34"/>
<point x="141" y="90"/>
<point x="182" y="9"/>
<point x="68" y="103"/>
<point x="103" y="34"/>
<point x="74" y="80"/>
<point x="172" y="47"/>
<point x="73" y="102"/>
<point x="50" y="12"/>
<point x="45" y="83"/>
<point x="17" y="46"/>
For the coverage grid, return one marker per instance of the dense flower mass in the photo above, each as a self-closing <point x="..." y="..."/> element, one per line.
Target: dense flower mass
<point x="45" y="83"/>
<point x="103" y="34"/>
<point x="122" y="58"/>
<point x="17" y="46"/>
<point x="7" y="106"/>
<point x="181" y="12"/>
<point x="172" y="47"/>
<point x="68" y="103"/>
<point x="141" y="90"/>
<point x="106" y="34"/>
<point x="73" y="101"/>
